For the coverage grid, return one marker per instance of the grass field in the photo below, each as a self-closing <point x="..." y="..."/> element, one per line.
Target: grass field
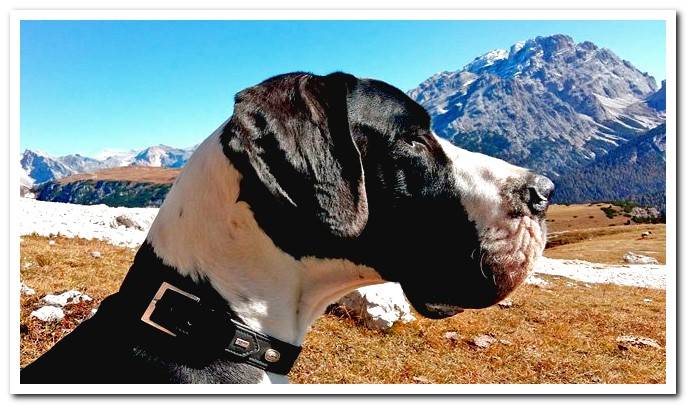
<point x="565" y="333"/>
<point x="140" y="174"/>
<point x="583" y="231"/>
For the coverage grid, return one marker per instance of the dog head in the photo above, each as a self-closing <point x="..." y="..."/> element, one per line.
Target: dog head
<point x="340" y="167"/>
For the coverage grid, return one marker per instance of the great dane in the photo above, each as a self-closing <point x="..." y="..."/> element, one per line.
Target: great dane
<point x="315" y="186"/>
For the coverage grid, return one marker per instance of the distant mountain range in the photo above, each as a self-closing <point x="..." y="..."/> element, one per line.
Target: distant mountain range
<point x="635" y="171"/>
<point x="547" y="103"/>
<point x="591" y="121"/>
<point x="40" y="167"/>
<point x="558" y="107"/>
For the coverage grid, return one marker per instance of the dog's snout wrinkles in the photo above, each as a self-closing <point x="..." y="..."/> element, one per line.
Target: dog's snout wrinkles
<point x="540" y="191"/>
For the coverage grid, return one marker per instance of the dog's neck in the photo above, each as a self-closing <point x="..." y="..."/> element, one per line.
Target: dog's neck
<point x="204" y="231"/>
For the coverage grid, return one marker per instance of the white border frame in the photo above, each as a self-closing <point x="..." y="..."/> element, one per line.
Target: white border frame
<point x="669" y="16"/>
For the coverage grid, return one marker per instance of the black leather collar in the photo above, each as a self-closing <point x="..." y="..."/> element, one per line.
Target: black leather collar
<point x="192" y="323"/>
<point x="181" y="319"/>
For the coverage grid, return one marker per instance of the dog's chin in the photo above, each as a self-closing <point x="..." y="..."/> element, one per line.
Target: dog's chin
<point x="509" y="253"/>
<point x="502" y="262"/>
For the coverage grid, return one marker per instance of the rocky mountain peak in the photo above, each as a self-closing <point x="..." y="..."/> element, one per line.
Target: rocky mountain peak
<point x="547" y="103"/>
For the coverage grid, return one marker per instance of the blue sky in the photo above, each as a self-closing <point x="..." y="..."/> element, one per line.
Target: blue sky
<point x="93" y="85"/>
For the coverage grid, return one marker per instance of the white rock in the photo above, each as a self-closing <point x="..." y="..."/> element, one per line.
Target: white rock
<point x="126" y="220"/>
<point x="648" y="300"/>
<point x="506" y="303"/>
<point x="483" y="341"/>
<point x="51" y="242"/>
<point x="96" y="254"/>
<point x="26" y="290"/>
<point x="452" y="336"/>
<point x="634" y="258"/>
<point x="48" y="314"/>
<point x="639" y="341"/>
<point x="66" y="298"/>
<point x="379" y="306"/>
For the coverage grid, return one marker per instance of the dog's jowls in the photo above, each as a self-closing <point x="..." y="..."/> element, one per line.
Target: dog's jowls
<point x="315" y="186"/>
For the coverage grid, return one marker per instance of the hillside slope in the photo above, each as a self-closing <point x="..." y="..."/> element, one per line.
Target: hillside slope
<point x="635" y="171"/>
<point x="118" y="187"/>
<point x="548" y="103"/>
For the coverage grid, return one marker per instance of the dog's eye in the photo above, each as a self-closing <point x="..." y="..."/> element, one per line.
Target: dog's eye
<point x="415" y="143"/>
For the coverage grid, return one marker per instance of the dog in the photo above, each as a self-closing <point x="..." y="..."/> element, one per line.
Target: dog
<point x="315" y="186"/>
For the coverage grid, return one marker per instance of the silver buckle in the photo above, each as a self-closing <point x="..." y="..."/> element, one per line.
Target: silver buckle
<point x="151" y="306"/>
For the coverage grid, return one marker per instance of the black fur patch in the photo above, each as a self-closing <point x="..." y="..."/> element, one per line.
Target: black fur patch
<point x="416" y="232"/>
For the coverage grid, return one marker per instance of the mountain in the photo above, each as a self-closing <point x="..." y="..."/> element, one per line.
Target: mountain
<point x="635" y="171"/>
<point x="116" y="158"/>
<point x="40" y="167"/>
<point x="162" y="156"/>
<point x="658" y="100"/>
<point x="80" y="164"/>
<point x="547" y="103"/>
<point x="130" y="186"/>
<point x="25" y="184"/>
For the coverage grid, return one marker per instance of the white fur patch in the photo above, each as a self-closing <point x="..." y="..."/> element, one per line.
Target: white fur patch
<point x="203" y="230"/>
<point x="509" y="244"/>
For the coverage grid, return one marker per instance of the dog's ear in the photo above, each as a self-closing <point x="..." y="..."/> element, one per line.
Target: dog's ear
<point x="295" y="133"/>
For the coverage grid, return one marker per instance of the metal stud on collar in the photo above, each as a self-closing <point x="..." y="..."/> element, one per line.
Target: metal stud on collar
<point x="272" y="356"/>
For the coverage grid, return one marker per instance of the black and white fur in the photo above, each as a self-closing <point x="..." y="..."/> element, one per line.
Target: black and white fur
<point x="318" y="185"/>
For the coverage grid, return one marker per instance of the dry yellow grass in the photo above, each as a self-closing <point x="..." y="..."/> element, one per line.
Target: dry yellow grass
<point x="583" y="231"/>
<point x="66" y="265"/>
<point x="562" y="335"/>
<point x="142" y="174"/>
<point x="565" y="334"/>
<point x="579" y="216"/>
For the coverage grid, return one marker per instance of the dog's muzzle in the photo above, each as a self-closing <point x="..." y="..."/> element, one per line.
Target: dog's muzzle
<point x="488" y="266"/>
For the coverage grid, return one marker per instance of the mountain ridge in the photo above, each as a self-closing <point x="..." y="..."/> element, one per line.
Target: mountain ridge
<point x="547" y="103"/>
<point x="40" y="167"/>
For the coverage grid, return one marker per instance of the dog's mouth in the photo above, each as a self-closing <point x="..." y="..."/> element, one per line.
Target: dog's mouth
<point x="509" y="252"/>
<point x="501" y="262"/>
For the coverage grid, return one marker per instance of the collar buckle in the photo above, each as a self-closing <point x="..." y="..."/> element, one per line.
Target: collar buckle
<point x="164" y="287"/>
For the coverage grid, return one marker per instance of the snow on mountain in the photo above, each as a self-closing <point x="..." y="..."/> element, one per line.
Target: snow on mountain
<point x="24" y="178"/>
<point x="41" y="167"/>
<point x="162" y="156"/>
<point x="486" y="60"/>
<point x="80" y="164"/>
<point x="547" y="103"/>
<point x="116" y="157"/>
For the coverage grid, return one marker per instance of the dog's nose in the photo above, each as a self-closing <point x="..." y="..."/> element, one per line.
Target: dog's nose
<point x="540" y="189"/>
